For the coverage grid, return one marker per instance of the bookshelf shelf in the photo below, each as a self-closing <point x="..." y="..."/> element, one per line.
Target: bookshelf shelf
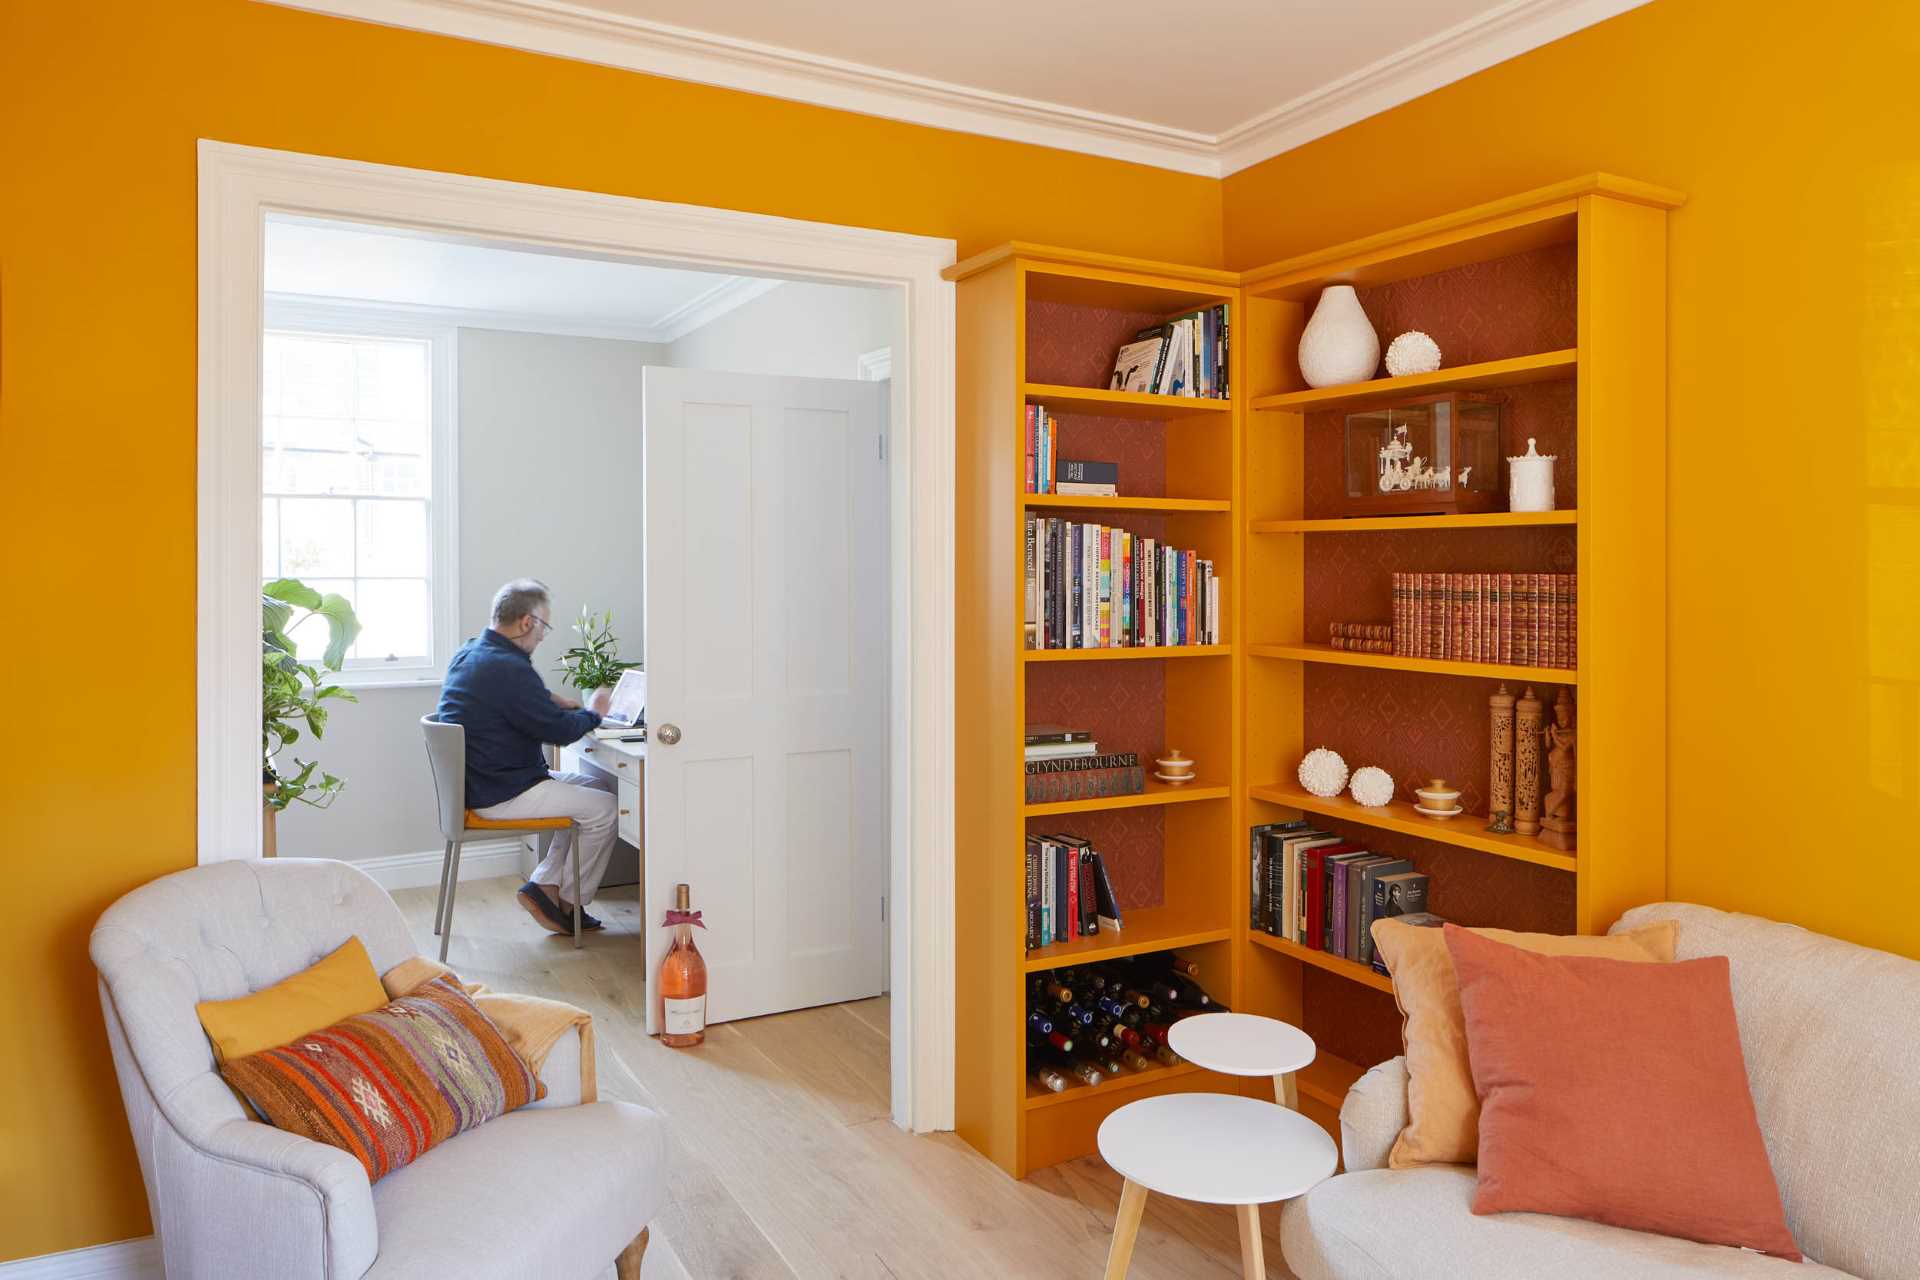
<point x="1327" y="1078"/>
<point x="1119" y="404"/>
<point x="1518" y="371"/>
<point x="1147" y="929"/>
<point x="1354" y="970"/>
<point x="1432" y="666"/>
<point x="1122" y="654"/>
<point x="1078" y="502"/>
<point x="1465" y="832"/>
<point x="1037" y="1096"/>
<point x="1157" y="792"/>
<point x="1420" y="524"/>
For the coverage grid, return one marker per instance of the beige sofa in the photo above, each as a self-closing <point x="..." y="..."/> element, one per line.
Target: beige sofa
<point x="1831" y="1033"/>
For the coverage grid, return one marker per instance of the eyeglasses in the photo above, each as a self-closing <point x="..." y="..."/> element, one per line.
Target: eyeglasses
<point x="542" y="621"/>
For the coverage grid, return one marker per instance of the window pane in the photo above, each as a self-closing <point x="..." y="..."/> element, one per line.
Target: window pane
<point x="270" y="538"/>
<point x="391" y="437"/>
<point x="390" y="381"/>
<point x="393" y="539"/>
<point x="316" y="537"/>
<point x="397" y="477"/>
<point x="315" y="433"/>
<point x="302" y="471"/>
<point x="395" y="619"/>
<point x="316" y="377"/>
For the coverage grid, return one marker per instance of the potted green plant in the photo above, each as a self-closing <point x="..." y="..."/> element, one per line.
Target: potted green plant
<point x="294" y="693"/>
<point x="594" y="662"/>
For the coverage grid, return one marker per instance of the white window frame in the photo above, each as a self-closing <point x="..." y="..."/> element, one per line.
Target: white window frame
<point x="305" y="315"/>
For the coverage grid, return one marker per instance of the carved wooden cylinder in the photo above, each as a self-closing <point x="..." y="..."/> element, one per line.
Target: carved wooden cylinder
<point x="1500" y="762"/>
<point x="1526" y="771"/>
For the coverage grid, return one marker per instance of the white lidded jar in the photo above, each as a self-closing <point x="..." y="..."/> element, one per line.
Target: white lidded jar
<point x="1338" y="345"/>
<point x="1530" y="480"/>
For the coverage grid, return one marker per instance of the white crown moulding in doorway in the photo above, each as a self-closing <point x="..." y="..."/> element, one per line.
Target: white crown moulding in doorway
<point x="635" y="44"/>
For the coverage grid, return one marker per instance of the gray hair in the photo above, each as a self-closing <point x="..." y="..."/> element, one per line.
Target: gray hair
<point x="517" y="599"/>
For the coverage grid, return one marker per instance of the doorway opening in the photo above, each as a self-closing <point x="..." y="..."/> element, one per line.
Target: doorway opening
<point x="251" y="530"/>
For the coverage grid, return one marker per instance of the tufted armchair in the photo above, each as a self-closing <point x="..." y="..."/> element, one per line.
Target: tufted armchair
<point x="560" y="1189"/>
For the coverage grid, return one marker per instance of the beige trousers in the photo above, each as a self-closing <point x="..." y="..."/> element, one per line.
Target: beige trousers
<point x="587" y="798"/>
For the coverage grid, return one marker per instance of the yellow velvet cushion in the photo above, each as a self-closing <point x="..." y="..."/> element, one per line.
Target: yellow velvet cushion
<point x="341" y="985"/>
<point x="1443" y="1111"/>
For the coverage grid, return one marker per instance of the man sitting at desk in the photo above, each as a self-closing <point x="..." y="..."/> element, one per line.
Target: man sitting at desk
<point x="493" y="692"/>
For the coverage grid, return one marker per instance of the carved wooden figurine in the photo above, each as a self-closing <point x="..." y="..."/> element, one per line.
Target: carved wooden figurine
<point x="1500" y="766"/>
<point x="1557" y="821"/>
<point x="1526" y="773"/>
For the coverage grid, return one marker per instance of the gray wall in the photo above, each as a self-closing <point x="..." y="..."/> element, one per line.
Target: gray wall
<point x="550" y="462"/>
<point x="800" y="330"/>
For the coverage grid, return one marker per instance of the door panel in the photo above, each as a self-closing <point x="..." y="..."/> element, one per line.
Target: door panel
<point x="766" y="570"/>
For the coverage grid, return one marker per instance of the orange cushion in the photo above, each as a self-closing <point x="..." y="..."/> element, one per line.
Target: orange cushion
<point x="1442" y="1112"/>
<point x="341" y="984"/>
<point x="516" y="824"/>
<point x="1616" y="1092"/>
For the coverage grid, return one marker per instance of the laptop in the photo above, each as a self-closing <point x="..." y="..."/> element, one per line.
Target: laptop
<point x="626" y="717"/>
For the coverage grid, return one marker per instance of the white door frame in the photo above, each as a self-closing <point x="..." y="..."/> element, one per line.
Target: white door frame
<point x="240" y="185"/>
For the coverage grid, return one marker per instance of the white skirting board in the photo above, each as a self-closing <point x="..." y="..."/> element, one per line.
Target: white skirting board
<point x="124" y="1260"/>
<point x="479" y="860"/>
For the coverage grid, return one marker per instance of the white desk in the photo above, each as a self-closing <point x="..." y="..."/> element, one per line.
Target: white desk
<point x="626" y="764"/>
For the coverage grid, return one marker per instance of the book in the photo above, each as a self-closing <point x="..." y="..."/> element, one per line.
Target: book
<point x="1336" y="928"/>
<point x="1077" y="490"/>
<point x="1085" y="784"/>
<point x="1076" y="471"/>
<point x="1033" y="892"/>
<point x="1074" y="764"/>
<point x="1038" y="734"/>
<point x="1314" y="935"/>
<point x="1089" y="910"/>
<point x="1401" y="894"/>
<point x="1264" y="840"/>
<point x="1138" y="365"/>
<point x="1046" y="893"/>
<point x="1105" y="902"/>
<point x="1061" y="750"/>
<point x="1370" y="874"/>
<point x="1351" y="943"/>
<point x="1070" y="876"/>
<point x="1293" y="880"/>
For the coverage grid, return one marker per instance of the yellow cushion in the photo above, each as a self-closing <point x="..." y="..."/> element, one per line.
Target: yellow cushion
<point x="337" y="987"/>
<point x="1443" y="1111"/>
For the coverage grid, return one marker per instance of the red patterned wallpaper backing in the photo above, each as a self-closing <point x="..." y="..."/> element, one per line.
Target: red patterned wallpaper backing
<point x="1516" y="306"/>
<point x="1124" y="703"/>
<point x="1073" y="346"/>
<point x="1414" y="725"/>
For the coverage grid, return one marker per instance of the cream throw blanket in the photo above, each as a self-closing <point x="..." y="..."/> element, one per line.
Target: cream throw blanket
<point x="531" y="1024"/>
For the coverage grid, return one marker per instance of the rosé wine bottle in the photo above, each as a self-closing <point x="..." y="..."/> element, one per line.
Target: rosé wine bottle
<point x="683" y="979"/>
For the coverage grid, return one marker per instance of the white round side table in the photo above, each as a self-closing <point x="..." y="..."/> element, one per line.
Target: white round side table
<point x="1245" y="1044"/>
<point x="1214" y="1148"/>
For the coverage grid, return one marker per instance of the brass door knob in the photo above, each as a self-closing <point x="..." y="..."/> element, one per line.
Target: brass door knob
<point x="667" y="734"/>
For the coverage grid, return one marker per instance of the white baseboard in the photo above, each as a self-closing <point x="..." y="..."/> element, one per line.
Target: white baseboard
<point x="479" y="860"/>
<point x="124" y="1260"/>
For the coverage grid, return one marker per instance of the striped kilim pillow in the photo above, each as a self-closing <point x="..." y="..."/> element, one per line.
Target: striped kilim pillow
<point x="389" y="1084"/>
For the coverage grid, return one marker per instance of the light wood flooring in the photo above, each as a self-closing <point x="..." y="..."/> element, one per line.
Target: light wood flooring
<point x="784" y="1161"/>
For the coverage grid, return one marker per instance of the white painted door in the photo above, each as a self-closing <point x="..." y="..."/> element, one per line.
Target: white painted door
<point x="766" y="589"/>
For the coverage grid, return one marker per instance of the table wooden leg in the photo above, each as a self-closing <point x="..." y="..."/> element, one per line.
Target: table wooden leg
<point x="1285" y="1092"/>
<point x="1126" y="1225"/>
<point x="1253" y="1261"/>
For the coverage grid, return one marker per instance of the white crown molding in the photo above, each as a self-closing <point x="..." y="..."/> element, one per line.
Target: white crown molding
<point x="875" y="365"/>
<point x="124" y="1260"/>
<point x="636" y="44"/>
<point x="1454" y="54"/>
<point x="730" y="294"/>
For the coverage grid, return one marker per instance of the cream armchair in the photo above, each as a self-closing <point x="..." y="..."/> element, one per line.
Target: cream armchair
<point x="559" y="1190"/>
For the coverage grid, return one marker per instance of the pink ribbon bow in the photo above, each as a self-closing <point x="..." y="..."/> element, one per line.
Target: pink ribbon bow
<point x="676" y="916"/>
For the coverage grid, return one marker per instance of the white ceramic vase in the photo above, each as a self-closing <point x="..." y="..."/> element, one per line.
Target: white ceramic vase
<point x="1339" y="345"/>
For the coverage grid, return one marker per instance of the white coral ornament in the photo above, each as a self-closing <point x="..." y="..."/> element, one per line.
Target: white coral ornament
<point x="1323" y="772"/>
<point x="1372" y="786"/>
<point x="1412" y="352"/>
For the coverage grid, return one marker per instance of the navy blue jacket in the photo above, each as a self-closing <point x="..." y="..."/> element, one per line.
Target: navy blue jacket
<point x="493" y="691"/>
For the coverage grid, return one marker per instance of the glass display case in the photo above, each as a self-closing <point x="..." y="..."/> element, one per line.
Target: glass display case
<point x="1435" y="455"/>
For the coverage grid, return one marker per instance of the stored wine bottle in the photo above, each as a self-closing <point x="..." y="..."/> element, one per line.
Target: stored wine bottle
<point x="1039" y="1022"/>
<point x="1085" y="1072"/>
<point x="683" y="978"/>
<point x="1051" y="1079"/>
<point x="1135" y="1059"/>
<point x="1057" y="991"/>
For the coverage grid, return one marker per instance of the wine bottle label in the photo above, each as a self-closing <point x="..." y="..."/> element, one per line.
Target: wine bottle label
<point x="686" y="1017"/>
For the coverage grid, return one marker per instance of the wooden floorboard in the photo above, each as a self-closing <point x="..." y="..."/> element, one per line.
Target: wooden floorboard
<point x="783" y="1161"/>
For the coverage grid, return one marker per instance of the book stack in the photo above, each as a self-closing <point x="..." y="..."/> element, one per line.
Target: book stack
<point x="1186" y="356"/>
<point x="1067" y="764"/>
<point x="1361" y="637"/>
<point x="1324" y="892"/>
<point x="1069" y="894"/>
<point x="1526" y="619"/>
<point x="1093" y="587"/>
<point x="1041" y="439"/>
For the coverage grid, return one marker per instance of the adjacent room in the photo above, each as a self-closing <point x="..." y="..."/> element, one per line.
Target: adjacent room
<point x="795" y="640"/>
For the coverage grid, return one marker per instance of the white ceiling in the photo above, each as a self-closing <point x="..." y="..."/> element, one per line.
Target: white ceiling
<point x="1203" y="88"/>
<point x="488" y="286"/>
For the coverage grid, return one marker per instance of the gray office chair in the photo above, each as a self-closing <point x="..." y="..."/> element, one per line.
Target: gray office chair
<point x="447" y="754"/>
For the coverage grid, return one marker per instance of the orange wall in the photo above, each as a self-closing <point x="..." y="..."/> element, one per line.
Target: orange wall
<point x="1794" y="403"/>
<point x="100" y="105"/>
